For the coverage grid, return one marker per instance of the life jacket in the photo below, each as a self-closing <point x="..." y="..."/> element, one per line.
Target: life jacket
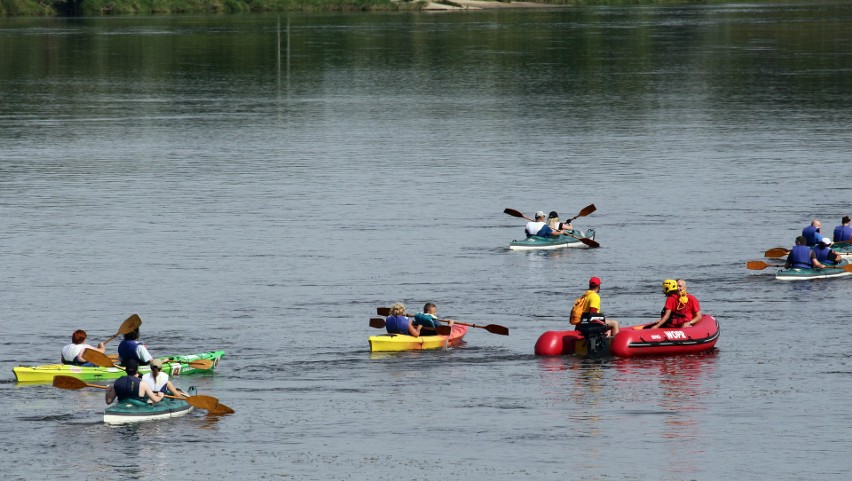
<point x="842" y="233"/>
<point x="822" y="252"/>
<point x="127" y="387"/>
<point x="800" y="257"/>
<point x="127" y="351"/>
<point x="581" y="305"/>
<point x="396" y="324"/>
<point x="812" y="235"/>
<point x="425" y="320"/>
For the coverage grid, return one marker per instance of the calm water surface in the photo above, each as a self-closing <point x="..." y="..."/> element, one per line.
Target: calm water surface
<point x="265" y="201"/>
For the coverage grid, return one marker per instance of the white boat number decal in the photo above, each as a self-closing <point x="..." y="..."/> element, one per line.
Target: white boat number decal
<point x="675" y="335"/>
<point x="656" y="337"/>
<point x="76" y="369"/>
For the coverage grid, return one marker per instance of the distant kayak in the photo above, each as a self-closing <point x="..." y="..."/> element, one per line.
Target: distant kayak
<point x="798" y="274"/>
<point x="404" y="342"/>
<point x="172" y="365"/>
<point x="540" y="243"/>
<point x="635" y="341"/>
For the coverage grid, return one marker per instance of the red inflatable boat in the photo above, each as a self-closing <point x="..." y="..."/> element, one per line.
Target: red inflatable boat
<point x="636" y="340"/>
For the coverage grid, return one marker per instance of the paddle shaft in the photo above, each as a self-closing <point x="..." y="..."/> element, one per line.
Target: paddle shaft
<point x="492" y="328"/>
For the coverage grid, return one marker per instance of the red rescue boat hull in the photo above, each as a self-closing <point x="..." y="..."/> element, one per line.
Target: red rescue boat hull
<point x="635" y="341"/>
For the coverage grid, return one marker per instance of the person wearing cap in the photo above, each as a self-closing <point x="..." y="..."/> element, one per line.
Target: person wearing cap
<point x="158" y="381"/>
<point x="843" y="232"/>
<point x="812" y="234"/>
<point x="554" y="223"/>
<point x="131" y="348"/>
<point x="824" y="253"/>
<point x="131" y="387"/>
<point x="539" y="227"/>
<point x="73" y="353"/>
<point x="801" y="256"/>
<point x="592" y="313"/>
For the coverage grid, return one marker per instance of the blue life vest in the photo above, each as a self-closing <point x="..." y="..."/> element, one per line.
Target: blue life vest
<point x="127" y="351"/>
<point x="127" y="387"/>
<point x="842" y="233"/>
<point x="800" y="257"/>
<point x="822" y="252"/>
<point x="813" y="237"/>
<point x="396" y="324"/>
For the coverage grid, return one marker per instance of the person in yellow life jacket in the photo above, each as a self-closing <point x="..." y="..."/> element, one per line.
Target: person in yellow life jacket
<point x="678" y="310"/>
<point x="592" y="314"/>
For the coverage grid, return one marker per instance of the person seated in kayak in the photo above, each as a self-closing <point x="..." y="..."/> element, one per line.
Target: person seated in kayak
<point x="812" y="233"/>
<point x="398" y="323"/>
<point x="131" y="348"/>
<point x="158" y="381"/>
<point x="824" y="253"/>
<point x="677" y="310"/>
<point x="554" y="224"/>
<point x="426" y="322"/>
<point x="801" y="256"/>
<point x="73" y="353"/>
<point x="131" y="387"/>
<point x="592" y="313"/>
<point x="692" y="308"/>
<point x="843" y="232"/>
<point x="539" y="227"/>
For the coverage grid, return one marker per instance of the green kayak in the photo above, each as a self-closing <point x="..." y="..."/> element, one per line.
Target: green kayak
<point x="535" y="242"/>
<point x="134" y="411"/>
<point x="830" y="272"/>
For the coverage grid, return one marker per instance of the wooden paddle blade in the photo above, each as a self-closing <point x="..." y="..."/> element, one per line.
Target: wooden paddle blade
<point x="68" y="382"/>
<point x="97" y="358"/>
<point x="383" y="311"/>
<point x="202" y="402"/>
<point x="221" y="409"/>
<point x="495" y="329"/>
<point x="847" y="268"/>
<point x="130" y="324"/>
<point x="203" y="364"/>
<point x="759" y="265"/>
<point x="587" y="210"/>
<point x="377" y="322"/>
<point x="589" y="242"/>
<point x="776" y="252"/>
<point x="514" y="213"/>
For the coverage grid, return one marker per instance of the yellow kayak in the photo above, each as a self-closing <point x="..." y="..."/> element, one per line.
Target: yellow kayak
<point x="403" y="342"/>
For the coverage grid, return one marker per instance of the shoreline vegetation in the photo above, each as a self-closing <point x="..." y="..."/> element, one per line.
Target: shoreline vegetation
<point x="95" y="8"/>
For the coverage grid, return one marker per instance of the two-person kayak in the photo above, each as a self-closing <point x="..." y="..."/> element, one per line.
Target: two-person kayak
<point x="404" y="342"/>
<point x="172" y="365"/>
<point x="572" y="239"/>
<point x="134" y="411"/>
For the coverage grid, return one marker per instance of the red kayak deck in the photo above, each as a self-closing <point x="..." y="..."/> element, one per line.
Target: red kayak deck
<point x="637" y="340"/>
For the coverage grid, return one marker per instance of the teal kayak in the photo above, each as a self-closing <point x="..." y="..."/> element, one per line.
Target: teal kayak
<point x="797" y="274"/>
<point x="134" y="411"/>
<point x="535" y="242"/>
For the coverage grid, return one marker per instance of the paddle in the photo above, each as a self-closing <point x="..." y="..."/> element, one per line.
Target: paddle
<point x="102" y="360"/>
<point x="492" y="328"/>
<point x="208" y="403"/>
<point x="584" y="212"/>
<point x="776" y="252"/>
<point x="129" y="325"/>
<point x="760" y="265"/>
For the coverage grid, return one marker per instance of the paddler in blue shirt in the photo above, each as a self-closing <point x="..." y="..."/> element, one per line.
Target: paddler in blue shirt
<point x="824" y="253"/>
<point x="131" y="387"/>
<point x="843" y="232"/>
<point x="801" y="256"/>
<point x="131" y="348"/>
<point x="812" y="234"/>
<point x="427" y="321"/>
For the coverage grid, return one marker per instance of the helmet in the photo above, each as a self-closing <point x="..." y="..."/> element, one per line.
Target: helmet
<point x="669" y="286"/>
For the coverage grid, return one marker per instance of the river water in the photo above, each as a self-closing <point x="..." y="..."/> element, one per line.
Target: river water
<point x="263" y="190"/>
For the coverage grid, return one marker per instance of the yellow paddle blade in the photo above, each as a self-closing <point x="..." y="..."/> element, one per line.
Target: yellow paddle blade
<point x="201" y="364"/>
<point x="757" y="265"/>
<point x="97" y="358"/>
<point x="130" y="324"/>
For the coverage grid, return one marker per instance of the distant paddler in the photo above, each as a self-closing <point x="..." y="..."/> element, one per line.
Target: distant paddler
<point x="426" y="322"/>
<point x="538" y="227"/>
<point x="843" y="232"/>
<point x="131" y="349"/>
<point x="802" y="257"/>
<point x="73" y="353"/>
<point x="812" y="233"/>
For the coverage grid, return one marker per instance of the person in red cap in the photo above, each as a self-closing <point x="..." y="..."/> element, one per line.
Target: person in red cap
<point x="593" y="313"/>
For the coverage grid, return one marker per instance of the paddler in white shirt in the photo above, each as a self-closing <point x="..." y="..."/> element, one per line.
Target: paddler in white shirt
<point x="158" y="381"/>
<point x="73" y="353"/>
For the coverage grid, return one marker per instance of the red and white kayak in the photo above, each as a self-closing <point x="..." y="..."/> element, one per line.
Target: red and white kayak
<point x="636" y="340"/>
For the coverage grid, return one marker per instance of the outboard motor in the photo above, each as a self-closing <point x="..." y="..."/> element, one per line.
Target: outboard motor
<point x="593" y="327"/>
